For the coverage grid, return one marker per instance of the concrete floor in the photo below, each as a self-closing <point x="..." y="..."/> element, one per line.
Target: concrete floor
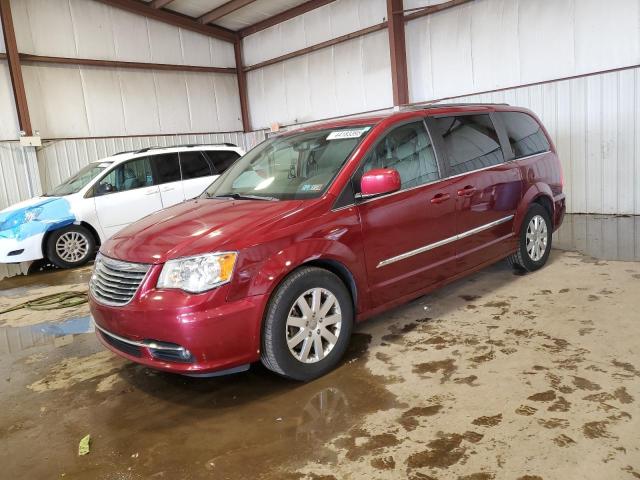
<point x="495" y="376"/>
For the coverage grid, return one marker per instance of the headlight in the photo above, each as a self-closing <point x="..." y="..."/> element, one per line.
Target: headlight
<point x="198" y="274"/>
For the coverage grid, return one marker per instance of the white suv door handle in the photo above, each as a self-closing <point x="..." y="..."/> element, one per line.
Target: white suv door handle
<point x="152" y="192"/>
<point x="168" y="189"/>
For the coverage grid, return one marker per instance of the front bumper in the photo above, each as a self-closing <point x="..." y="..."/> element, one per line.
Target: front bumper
<point x="178" y="332"/>
<point x="25" y="250"/>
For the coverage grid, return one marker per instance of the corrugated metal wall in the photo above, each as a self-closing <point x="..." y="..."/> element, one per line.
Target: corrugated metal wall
<point x="490" y="44"/>
<point x="101" y="101"/>
<point x="601" y="236"/>
<point x="19" y="180"/>
<point x="347" y="78"/>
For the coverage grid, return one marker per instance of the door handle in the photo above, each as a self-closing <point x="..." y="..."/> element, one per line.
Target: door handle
<point x="440" y="198"/>
<point x="168" y="189"/>
<point x="467" y="191"/>
<point x="152" y="192"/>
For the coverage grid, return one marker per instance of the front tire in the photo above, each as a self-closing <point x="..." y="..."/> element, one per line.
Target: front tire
<point x="70" y="247"/>
<point x="308" y="325"/>
<point x="534" y="244"/>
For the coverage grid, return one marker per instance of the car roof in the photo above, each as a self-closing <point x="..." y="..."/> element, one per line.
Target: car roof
<point x="400" y="113"/>
<point x="146" y="151"/>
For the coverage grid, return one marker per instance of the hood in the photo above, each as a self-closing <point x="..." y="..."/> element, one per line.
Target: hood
<point x="35" y="216"/>
<point x="32" y="202"/>
<point x="196" y="227"/>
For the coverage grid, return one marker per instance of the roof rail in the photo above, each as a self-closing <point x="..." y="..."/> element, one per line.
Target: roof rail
<point x="191" y="145"/>
<point x="188" y="145"/>
<point x="426" y="106"/>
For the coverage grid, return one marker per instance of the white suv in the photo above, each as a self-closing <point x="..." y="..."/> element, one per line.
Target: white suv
<point x="65" y="224"/>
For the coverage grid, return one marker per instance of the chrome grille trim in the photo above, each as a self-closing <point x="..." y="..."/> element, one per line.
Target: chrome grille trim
<point x="115" y="282"/>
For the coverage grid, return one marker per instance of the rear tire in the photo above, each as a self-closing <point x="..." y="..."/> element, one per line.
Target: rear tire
<point x="534" y="243"/>
<point x="70" y="247"/>
<point x="307" y="325"/>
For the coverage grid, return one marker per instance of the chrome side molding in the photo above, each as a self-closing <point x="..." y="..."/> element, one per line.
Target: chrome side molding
<point x="445" y="241"/>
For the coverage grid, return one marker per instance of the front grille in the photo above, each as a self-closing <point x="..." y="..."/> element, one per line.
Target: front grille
<point x="115" y="282"/>
<point x="133" y="350"/>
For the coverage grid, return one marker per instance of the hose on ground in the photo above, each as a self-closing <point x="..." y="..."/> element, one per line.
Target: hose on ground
<point x="51" y="302"/>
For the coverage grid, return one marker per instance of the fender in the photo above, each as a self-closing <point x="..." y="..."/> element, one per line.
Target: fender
<point x="534" y="192"/>
<point x="263" y="277"/>
<point x="276" y="267"/>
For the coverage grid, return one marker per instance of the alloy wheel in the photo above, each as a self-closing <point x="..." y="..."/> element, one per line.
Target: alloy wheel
<point x="72" y="247"/>
<point x="313" y="325"/>
<point x="537" y="238"/>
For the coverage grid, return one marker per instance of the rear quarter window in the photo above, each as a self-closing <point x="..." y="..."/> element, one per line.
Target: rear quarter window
<point x="471" y="142"/>
<point x="194" y="165"/>
<point x="222" y="159"/>
<point x="525" y="134"/>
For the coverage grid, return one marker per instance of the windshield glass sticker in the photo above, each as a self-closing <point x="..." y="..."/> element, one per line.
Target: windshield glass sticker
<point x="344" y="134"/>
<point x="312" y="188"/>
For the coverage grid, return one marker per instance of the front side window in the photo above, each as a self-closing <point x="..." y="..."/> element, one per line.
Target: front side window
<point x="166" y="167"/>
<point x="407" y="149"/>
<point x="78" y="181"/>
<point x="525" y="134"/>
<point x="289" y="167"/>
<point x="194" y="165"/>
<point x="471" y="142"/>
<point x="127" y="176"/>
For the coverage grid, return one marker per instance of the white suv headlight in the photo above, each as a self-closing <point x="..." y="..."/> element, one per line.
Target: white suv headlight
<point x="198" y="274"/>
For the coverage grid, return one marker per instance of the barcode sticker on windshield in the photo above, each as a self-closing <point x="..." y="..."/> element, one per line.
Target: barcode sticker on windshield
<point x="344" y="134"/>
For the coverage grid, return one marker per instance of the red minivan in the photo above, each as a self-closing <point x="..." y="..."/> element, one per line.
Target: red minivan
<point x="321" y="227"/>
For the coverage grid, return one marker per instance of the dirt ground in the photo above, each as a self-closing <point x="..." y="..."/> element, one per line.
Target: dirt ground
<point x="497" y="376"/>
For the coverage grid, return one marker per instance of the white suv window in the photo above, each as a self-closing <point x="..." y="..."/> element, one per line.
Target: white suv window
<point x="127" y="176"/>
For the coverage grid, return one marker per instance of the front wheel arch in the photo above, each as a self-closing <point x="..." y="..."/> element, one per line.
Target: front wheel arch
<point x="341" y="271"/>
<point x="88" y="226"/>
<point x="269" y="354"/>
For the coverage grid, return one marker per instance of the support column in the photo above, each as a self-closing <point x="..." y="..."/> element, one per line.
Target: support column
<point x="399" y="77"/>
<point x="15" y="70"/>
<point x="242" y="85"/>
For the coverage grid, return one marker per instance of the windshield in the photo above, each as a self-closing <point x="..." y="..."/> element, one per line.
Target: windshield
<point x="78" y="181"/>
<point x="290" y="167"/>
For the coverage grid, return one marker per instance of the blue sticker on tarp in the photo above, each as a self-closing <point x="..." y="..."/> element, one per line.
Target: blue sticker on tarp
<point x="40" y="217"/>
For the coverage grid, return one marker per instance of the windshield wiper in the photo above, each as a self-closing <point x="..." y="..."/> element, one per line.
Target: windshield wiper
<point x="238" y="196"/>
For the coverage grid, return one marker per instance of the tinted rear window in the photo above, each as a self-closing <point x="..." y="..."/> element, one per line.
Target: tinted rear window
<point x="167" y="167"/>
<point x="194" y="165"/>
<point x="525" y="134"/>
<point x="222" y="159"/>
<point x="471" y="142"/>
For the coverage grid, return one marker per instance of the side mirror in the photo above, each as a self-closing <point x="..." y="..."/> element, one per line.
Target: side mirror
<point x="380" y="181"/>
<point x="104" y="188"/>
